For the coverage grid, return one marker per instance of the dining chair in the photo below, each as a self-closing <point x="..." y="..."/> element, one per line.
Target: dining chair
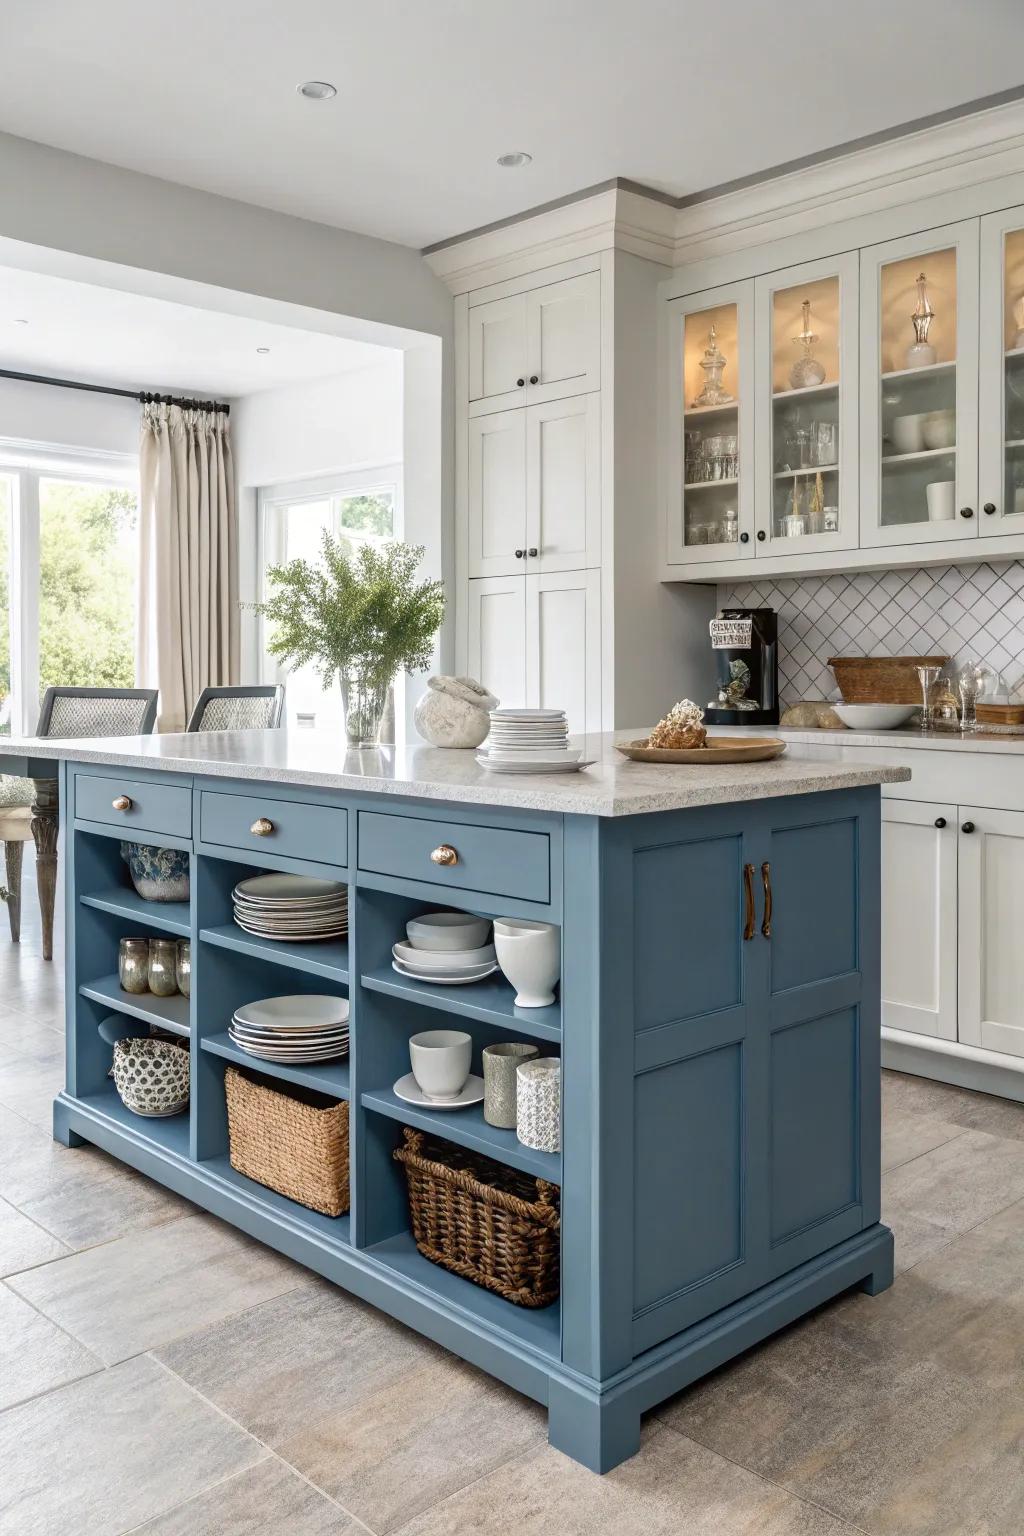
<point x="30" y="808"/>
<point x="256" y="707"/>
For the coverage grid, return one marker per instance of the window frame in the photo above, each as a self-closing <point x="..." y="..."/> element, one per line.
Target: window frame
<point x="25" y="464"/>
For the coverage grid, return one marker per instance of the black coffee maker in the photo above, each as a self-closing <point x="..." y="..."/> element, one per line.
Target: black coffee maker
<point x="746" y="646"/>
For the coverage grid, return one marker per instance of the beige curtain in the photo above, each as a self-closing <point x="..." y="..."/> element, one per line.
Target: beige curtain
<point x="188" y="548"/>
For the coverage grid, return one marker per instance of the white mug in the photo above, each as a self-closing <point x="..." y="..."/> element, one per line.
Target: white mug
<point x="940" y="496"/>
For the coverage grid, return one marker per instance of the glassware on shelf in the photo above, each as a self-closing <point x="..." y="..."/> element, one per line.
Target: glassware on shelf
<point x="713" y="364"/>
<point x="967" y="688"/>
<point x="945" y="706"/>
<point x="830" y="520"/>
<point x="1018" y="315"/>
<point x="183" y="967"/>
<point x="816" y="506"/>
<point x="163" y="981"/>
<point x="928" y="677"/>
<point x="133" y="965"/>
<point x="730" y="526"/>
<point x="921" y="353"/>
<point x="807" y="371"/>
<point x="825" y="446"/>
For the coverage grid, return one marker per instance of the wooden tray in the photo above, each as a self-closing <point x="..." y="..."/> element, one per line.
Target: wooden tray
<point x="717" y="749"/>
<point x="1000" y="714"/>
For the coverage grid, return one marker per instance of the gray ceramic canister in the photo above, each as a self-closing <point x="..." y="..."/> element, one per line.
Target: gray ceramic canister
<point x="501" y="1063"/>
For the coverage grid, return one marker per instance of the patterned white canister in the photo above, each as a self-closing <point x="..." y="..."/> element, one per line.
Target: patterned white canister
<point x="539" y="1104"/>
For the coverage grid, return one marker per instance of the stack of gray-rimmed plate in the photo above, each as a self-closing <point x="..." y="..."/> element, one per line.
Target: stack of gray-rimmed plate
<point x="308" y="1027"/>
<point x="529" y="741"/>
<point x="295" y="907"/>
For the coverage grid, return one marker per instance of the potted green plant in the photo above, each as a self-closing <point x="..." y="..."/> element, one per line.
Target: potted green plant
<point x="359" y="617"/>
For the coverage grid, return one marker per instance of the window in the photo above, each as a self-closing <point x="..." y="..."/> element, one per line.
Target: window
<point x="357" y="508"/>
<point x="68" y="560"/>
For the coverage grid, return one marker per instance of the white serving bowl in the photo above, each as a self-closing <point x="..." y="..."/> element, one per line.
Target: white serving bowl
<point x="874" y="717"/>
<point x="448" y="930"/>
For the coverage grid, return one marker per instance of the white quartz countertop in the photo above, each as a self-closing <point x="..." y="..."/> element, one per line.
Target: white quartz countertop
<point x="912" y="738"/>
<point x="614" y="786"/>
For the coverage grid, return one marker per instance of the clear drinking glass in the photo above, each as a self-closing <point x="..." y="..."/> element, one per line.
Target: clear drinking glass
<point x="133" y="965"/>
<point x="929" y="677"/>
<point x="163" y="981"/>
<point x="183" y="967"/>
<point x="967" y="687"/>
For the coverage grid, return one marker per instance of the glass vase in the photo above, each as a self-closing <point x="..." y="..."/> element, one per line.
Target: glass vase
<point x="364" y="703"/>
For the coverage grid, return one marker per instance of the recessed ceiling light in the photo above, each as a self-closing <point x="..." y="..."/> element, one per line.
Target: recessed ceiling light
<point x="317" y="90"/>
<point x="513" y="161"/>
<point x="262" y="349"/>
<point x="20" y="322"/>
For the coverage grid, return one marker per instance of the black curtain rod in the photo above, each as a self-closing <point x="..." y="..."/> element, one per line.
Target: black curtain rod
<point x="128" y="394"/>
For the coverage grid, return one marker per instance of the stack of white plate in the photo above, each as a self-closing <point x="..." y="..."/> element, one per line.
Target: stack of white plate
<point x="529" y="741"/>
<point x="447" y="949"/>
<point x="295" y="907"/>
<point x="309" y="1027"/>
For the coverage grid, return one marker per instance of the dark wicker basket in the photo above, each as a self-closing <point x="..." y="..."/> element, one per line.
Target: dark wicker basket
<point x="483" y="1221"/>
<point x="881" y="679"/>
<point x="292" y="1142"/>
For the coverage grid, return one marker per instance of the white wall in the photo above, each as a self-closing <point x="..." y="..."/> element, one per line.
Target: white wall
<point x="68" y="418"/>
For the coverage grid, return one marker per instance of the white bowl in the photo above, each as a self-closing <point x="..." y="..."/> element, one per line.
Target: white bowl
<point x="874" y="717"/>
<point x="939" y="429"/>
<point x="443" y="959"/>
<point x="448" y="930"/>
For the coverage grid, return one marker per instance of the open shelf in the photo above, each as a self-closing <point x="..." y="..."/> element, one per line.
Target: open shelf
<point x="492" y="1001"/>
<point x="170" y="916"/>
<point x="321" y="957"/>
<point x="918" y="373"/>
<point x="166" y="1012"/>
<point x="815" y="469"/>
<point x="468" y="1128"/>
<point x="922" y="455"/>
<point x="169" y="1133"/>
<point x="706" y="485"/>
<point x="812" y="392"/>
<point x="337" y="1228"/>
<point x="711" y="410"/>
<point x="332" y="1077"/>
<point x="538" y="1328"/>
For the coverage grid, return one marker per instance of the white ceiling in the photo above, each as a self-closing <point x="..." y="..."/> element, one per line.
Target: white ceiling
<point x="680" y="95"/>
<point x="102" y="335"/>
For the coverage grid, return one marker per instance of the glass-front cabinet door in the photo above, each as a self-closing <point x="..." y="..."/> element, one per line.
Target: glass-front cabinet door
<point x="806" y="349"/>
<point x="919" y="381"/>
<point x="711" y="374"/>
<point x="1001" y="379"/>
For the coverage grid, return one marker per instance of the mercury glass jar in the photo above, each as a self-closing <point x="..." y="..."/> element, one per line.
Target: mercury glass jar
<point x="163" y="981"/>
<point x="183" y="967"/>
<point x="133" y="965"/>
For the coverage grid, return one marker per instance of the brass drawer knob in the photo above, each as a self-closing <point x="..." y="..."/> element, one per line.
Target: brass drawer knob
<point x="262" y="827"/>
<point x="122" y="803"/>
<point x="445" y="855"/>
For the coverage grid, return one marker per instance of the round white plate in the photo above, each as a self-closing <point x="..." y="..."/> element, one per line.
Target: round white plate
<point x="278" y="1037"/>
<point x="408" y="1088"/>
<point x="443" y="959"/>
<point x="443" y="981"/>
<point x="552" y="765"/>
<point x="314" y="1043"/>
<point x="312" y="1009"/>
<point x="296" y="1058"/>
<point x="527" y="714"/>
<point x="289" y="887"/>
<point x="262" y="925"/>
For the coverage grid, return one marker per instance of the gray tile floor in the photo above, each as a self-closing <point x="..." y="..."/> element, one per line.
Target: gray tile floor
<point x="160" y="1373"/>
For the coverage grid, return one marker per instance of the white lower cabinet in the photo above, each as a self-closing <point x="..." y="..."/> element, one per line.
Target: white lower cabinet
<point x="991" y="911"/>
<point x="919" y="917"/>
<point x="535" y="641"/>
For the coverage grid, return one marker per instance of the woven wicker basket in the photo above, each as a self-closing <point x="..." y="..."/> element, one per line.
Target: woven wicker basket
<point x="881" y="679"/>
<point x="483" y="1221"/>
<point x="288" y="1142"/>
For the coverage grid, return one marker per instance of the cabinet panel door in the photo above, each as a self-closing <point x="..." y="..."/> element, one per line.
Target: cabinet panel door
<point x="563" y="646"/>
<point x="991" y="906"/>
<point x="497" y="637"/>
<point x="563" y="338"/>
<point x="919" y="860"/>
<point x="919" y="399"/>
<point x="497" y="354"/>
<point x="1001" y="374"/>
<point x="497" y="494"/>
<point x="563" y="484"/>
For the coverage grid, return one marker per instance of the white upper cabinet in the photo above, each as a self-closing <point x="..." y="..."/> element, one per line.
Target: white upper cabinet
<point x="807" y="448"/>
<point x="563" y="484"/>
<point x="919" y="395"/>
<point x="991" y="957"/>
<point x="919" y="917"/>
<point x="533" y="347"/>
<point x="497" y="493"/>
<point x="1001" y="380"/>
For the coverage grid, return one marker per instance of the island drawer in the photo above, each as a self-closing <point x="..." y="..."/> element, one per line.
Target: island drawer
<point x="257" y="824"/>
<point x="492" y="860"/>
<point x="138" y="805"/>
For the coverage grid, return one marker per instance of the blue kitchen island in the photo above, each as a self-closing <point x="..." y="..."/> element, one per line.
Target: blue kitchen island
<point x="717" y="1019"/>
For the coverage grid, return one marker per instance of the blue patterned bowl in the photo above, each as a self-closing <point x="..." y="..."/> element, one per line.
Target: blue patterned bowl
<point x="158" y="874"/>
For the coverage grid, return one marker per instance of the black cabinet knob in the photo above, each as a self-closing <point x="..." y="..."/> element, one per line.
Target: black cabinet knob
<point x="966" y="511"/>
<point x="520" y="553"/>
<point x="534" y="378"/>
<point x="744" y="538"/>
<point x="968" y="826"/>
<point x="521" y="383"/>
<point x="761" y="536"/>
<point x="940" y="822"/>
<point x="989" y="507"/>
<point x="533" y="551"/>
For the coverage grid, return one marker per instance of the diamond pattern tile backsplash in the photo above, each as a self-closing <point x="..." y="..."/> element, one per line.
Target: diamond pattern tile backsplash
<point x="963" y="611"/>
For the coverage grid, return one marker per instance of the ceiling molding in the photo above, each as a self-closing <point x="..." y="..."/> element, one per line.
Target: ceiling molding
<point x="941" y="157"/>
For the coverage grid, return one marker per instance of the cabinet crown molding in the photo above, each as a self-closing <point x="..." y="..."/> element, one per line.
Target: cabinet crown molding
<point x="982" y="146"/>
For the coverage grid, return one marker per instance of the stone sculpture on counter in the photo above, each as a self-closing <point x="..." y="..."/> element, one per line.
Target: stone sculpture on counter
<point x="454" y="712"/>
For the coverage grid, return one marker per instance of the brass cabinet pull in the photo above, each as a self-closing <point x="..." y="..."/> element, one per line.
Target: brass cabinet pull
<point x="748" y="901"/>
<point x="122" y="803"/>
<point x="445" y="855"/>
<point x="766" y="877"/>
<point x="262" y="827"/>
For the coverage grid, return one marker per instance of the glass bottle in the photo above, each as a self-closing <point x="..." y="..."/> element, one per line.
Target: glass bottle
<point x="807" y="370"/>
<point x="713" y="364"/>
<point x="163" y="981"/>
<point x="921" y="353"/>
<point x="133" y="965"/>
<point x="183" y="967"/>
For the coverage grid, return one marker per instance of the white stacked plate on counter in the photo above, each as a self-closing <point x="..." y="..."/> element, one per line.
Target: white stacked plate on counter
<point x="529" y="741"/>
<point x="446" y="949"/>
<point x="306" y="1028"/>
<point x="291" y="907"/>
